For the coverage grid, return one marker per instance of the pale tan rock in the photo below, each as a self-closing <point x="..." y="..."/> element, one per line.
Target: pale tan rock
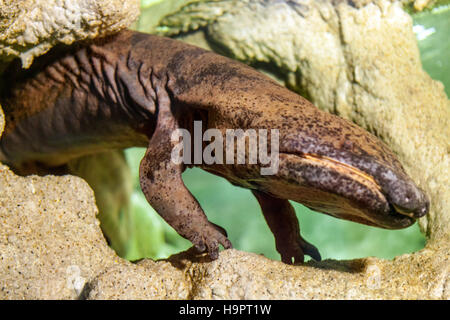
<point x="32" y="32"/>
<point x="241" y="275"/>
<point x="145" y="280"/>
<point x="51" y="244"/>
<point x="109" y="176"/>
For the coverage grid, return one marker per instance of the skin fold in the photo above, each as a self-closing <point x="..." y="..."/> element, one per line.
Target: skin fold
<point x="135" y="89"/>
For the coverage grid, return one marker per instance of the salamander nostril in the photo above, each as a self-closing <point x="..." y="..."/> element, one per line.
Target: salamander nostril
<point x="423" y="210"/>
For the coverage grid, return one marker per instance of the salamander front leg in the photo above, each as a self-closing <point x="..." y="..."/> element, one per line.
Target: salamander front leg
<point x="282" y="221"/>
<point x="162" y="184"/>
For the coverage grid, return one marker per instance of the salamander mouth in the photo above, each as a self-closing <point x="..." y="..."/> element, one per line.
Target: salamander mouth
<point x="357" y="195"/>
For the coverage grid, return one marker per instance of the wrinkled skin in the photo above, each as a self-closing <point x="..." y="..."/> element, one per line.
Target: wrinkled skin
<point x="135" y="89"/>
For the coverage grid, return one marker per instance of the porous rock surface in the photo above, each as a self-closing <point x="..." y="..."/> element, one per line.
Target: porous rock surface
<point x="51" y="245"/>
<point x="29" y="28"/>
<point x="50" y="240"/>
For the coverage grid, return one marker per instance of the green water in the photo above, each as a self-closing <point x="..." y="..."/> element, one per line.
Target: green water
<point x="433" y="33"/>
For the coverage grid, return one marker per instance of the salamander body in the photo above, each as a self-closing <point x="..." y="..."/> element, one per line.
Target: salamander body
<point x="135" y="89"/>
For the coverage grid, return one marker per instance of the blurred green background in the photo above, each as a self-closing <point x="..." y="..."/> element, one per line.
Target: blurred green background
<point x="237" y="210"/>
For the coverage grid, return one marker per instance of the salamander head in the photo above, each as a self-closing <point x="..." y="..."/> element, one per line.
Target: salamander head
<point x="338" y="168"/>
<point x="333" y="166"/>
<point x="359" y="189"/>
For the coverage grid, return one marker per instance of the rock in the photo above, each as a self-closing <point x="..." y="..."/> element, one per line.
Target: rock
<point x="109" y="176"/>
<point x="241" y="275"/>
<point x="32" y="32"/>
<point x="145" y="280"/>
<point x="51" y="244"/>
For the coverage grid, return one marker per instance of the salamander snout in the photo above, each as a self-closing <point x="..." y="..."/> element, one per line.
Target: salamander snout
<point x="362" y="189"/>
<point x="409" y="200"/>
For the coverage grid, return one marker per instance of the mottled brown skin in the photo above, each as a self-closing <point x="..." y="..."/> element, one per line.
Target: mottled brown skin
<point x="134" y="89"/>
